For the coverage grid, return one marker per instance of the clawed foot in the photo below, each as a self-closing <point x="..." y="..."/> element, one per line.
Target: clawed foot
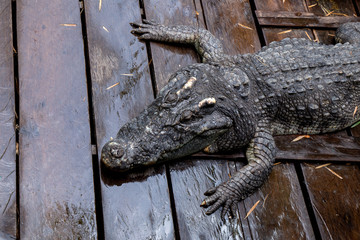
<point x="222" y="195"/>
<point x="148" y="30"/>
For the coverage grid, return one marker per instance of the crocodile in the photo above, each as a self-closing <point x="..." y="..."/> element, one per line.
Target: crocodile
<point x="227" y="103"/>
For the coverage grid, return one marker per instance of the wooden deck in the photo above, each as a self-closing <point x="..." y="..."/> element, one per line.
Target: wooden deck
<point x="58" y="62"/>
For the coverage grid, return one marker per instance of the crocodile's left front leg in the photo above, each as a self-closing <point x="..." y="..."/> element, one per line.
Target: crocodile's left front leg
<point x="207" y="45"/>
<point x="261" y="155"/>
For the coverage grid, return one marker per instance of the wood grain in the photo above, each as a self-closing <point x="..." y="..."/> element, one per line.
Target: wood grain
<point x="281" y="213"/>
<point x="133" y="208"/>
<point x="191" y="220"/>
<point x="56" y="176"/>
<point x="7" y="131"/>
<point x="190" y="180"/>
<point x="301" y="19"/>
<point x="167" y="58"/>
<point x="335" y="201"/>
<point x="232" y="22"/>
<point x="283" y="187"/>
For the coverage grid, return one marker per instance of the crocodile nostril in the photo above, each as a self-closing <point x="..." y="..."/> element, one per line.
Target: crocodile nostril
<point x="117" y="151"/>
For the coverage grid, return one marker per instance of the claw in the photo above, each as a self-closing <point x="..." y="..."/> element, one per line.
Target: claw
<point x="233" y="209"/>
<point x="220" y="196"/>
<point x="209" y="201"/>
<point x="215" y="206"/>
<point x="210" y="191"/>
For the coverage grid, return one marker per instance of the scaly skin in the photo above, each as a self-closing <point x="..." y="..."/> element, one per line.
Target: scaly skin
<point x="294" y="86"/>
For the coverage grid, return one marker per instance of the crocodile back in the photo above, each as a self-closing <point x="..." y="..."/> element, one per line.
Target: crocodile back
<point x="317" y="86"/>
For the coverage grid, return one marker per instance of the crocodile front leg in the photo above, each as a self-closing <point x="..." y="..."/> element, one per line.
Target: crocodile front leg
<point x="261" y="156"/>
<point x="208" y="47"/>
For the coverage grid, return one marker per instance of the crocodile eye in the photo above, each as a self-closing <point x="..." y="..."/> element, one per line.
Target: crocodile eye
<point x="186" y="116"/>
<point x="171" y="97"/>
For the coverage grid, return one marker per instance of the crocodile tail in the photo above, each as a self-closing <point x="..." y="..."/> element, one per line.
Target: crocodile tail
<point x="348" y="32"/>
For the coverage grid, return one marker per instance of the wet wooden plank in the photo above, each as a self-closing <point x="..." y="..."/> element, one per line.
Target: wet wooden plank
<point x="232" y="22"/>
<point x="190" y="180"/>
<point x="335" y="201"/>
<point x="168" y="58"/>
<point x="188" y="194"/>
<point x="133" y="208"/>
<point x="284" y="214"/>
<point x="333" y="8"/>
<point x="333" y="190"/>
<point x="56" y="176"/>
<point x="7" y="132"/>
<point x="337" y="9"/>
<point x="328" y="147"/>
<point x="281" y="212"/>
<point x="301" y="19"/>
<point x="280" y="5"/>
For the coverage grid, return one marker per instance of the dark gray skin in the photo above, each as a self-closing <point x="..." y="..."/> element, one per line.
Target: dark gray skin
<point x="294" y="86"/>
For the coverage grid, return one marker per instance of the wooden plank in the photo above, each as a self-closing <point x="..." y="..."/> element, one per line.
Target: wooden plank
<point x="335" y="201"/>
<point x="56" y="176"/>
<point x="329" y="147"/>
<point x="181" y="13"/>
<point x="301" y="19"/>
<point x="357" y="6"/>
<point x="232" y="22"/>
<point x="190" y="180"/>
<point x="281" y="5"/>
<point x="337" y="9"/>
<point x="286" y="217"/>
<point x="333" y="8"/>
<point x="167" y="58"/>
<point x="7" y="131"/>
<point x="132" y="208"/>
<point x="281" y="212"/>
<point x="188" y="194"/>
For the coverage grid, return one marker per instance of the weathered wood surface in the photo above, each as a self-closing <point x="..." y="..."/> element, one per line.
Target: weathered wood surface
<point x="132" y="208"/>
<point x="168" y="58"/>
<point x="329" y="147"/>
<point x="335" y="199"/>
<point x="7" y="127"/>
<point x="186" y="177"/>
<point x="286" y="219"/>
<point x="281" y="211"/>
<point x="56" y="177"/>
<point x="301" y="19"/>
<point x="191" y="221"/>
<point x="232" y="22"/>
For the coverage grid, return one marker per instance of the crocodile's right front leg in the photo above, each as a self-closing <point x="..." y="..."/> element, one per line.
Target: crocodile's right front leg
<point x="261" y="156"/>
<point x="208" y="46"/>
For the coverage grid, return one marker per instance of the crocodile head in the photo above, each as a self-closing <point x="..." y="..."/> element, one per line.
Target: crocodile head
<point x="187" y="116"/>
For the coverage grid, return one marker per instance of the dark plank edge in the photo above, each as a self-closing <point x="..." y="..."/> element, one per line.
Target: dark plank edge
<point x="94" y="145"/>
<point x="8" y="190"/>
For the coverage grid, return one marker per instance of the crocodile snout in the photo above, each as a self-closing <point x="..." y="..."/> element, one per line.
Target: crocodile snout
<point x="113" y="156"/>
